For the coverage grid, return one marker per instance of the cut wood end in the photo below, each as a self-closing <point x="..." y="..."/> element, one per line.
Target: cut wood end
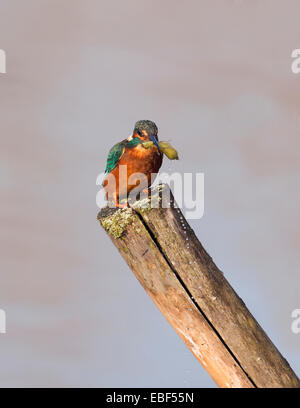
<point x="116" y="220"/>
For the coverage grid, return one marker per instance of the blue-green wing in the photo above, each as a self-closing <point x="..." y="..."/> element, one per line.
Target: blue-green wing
<point x="114" y="156"/>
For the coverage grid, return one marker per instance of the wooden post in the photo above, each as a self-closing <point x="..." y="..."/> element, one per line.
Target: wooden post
<point x="191" y="292"/>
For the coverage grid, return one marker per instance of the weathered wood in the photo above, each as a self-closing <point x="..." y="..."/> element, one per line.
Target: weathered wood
<point x="191" y="292"/>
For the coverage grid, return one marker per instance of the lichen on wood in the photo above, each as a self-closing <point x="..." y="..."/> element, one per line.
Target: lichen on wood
<point x="116" y="221"/>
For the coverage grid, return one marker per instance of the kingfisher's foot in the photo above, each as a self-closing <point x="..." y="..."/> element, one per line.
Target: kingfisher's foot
<point x="119" y="205"/>
<point x="147" y="191"/>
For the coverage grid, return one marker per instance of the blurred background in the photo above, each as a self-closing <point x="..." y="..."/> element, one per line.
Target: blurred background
<point x="216" y="78"/>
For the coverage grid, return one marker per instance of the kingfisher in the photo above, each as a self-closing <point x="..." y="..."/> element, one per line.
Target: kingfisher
<point x="140" y="153"/>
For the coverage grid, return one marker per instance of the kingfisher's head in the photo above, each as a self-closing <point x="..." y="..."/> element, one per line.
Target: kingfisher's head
<point x="146" y="130"/>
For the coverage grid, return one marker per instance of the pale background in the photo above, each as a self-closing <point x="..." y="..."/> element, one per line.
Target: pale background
<point x="216" y="78"/>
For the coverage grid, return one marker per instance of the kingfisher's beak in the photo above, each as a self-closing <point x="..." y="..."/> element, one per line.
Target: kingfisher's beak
<point x="154" y="140"/>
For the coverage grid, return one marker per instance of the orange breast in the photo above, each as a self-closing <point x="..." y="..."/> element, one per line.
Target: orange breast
<point x="138" y="160"/>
